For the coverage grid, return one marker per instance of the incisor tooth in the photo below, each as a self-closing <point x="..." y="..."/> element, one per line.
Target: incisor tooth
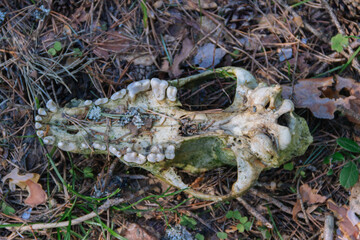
<point x="42" y="112"/>
<point x="171" y="93"/>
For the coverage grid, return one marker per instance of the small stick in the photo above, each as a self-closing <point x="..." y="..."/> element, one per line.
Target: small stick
<point x="109" y="203"/>
<point x="329" y="227"/>
<point x="255" y="213"/>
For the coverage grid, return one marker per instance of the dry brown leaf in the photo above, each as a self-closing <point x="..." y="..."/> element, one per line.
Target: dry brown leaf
<point x="36" y="194"/>
<point x="135" y="232"/>
<point x="348" y="223"/>
<point x="324" y="96"/>
<point x="308" y="196"/>
<point x="355" y="198"/>
<point x="187" y="46"/>
<point x="29" y="182"/>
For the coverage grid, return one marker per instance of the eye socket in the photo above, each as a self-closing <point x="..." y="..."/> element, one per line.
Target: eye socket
<point x="283" y="120"/>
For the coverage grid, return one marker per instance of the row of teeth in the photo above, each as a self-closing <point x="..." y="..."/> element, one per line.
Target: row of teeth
<point x="160" y="89"/>
<point x="156" y="152"/>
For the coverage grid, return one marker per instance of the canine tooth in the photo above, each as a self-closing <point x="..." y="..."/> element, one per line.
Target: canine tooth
<point x="87" y="102"/>
<point x="170" y="152"/>
<point x="159" y="88"/>
<point x="171" y="93"/>
<point x="40" y="133"/>
<point x="99" y="146"/>
<point x="67" y="146"/>
<point x="38" y="125"/>
<point x="101" y="101"/>
<point x="38" y="118"/>
<point x="51" y="106"/>
<point x="118" y="95"/>
<point x="42" y="112"/>
<point x="136" y="87"/>
<point x="49" y="140"/>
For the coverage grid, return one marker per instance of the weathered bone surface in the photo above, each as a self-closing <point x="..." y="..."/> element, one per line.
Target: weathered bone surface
<point x="144" y="128"/>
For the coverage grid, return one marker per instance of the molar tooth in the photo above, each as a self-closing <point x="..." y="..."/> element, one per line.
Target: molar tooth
<point x="51" y="106"/>
<point x="67" y="146"/>
<point x="141" y="159"/>
<point x="49" y="140"/>
<point x="38" y="125"/>
<point x="130" y="156"/>
<point x="156" y="149"/>
<point x="101" y="101"/>
<point x="42" y="112"/>
<point x="155" y="157"/>
<point x="99" y="146"/>
<point x="38" y="118"/>
<point x="87" y="102"/>
<point x="136" y="87"/>
<point x="40" y="133"/>
<point x="84" y="146"/>
<point x="171" y="93"/>
<point x="118" y="95"/>
<point x="159" y="88"/>
<point x="170" y="152"/>
<point x="114" y="151"/>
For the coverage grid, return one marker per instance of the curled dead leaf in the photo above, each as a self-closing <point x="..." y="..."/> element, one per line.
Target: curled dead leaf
<point x="309" y="196"/>
<point x="27" y="181"/>
<point x="324" y="96"/>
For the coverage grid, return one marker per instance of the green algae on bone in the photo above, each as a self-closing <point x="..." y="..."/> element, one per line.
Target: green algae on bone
<point x="148" y="130"/>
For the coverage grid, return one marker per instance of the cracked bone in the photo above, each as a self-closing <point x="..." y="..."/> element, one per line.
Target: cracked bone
<point x="101" y="101"/>
<point x="159" y="88"/>
<point x="118" y="95"/>
<point x="42" y="112"/>
<point x="171" y="92"/>
<point x="137" y="87"/>
<point x="51" y="105"/>
<point x="49" y="140"/>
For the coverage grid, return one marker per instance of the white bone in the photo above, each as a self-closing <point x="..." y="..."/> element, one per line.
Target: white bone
<point x="38" y="125"/>
<point x="67" y="146"/>
<point x="136" y="87"/>
<point x="171" y="93"/>
<point x="286" y="106"/>
<point x="42" y="112"/>
<point x="51" y="105"/>
<point x="87" y="102"/>
<point x="141" y="159"/>
<point x="99" y="146"/>
<point x="155" y="157"/>
<point x="49" y="140"/>
<point x="84" y="146"/>
<point x="114" y="151"/>
<point x="159" y="88"/>
<point x="118" y="95"/>
<point x="38" y="118"/>
<point x="40" y="133"/>
<point x="101" y="101"/>
<point x="156" y="149"/>
<point x="170" y="152"/>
